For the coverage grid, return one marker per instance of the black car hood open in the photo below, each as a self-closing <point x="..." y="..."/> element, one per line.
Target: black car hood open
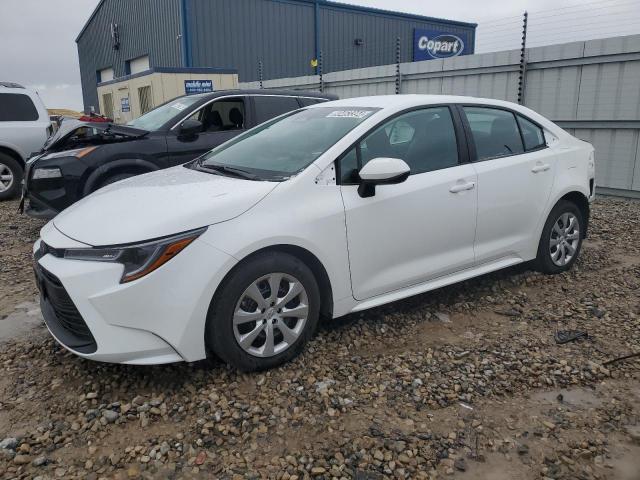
<point x="69" y="126"/>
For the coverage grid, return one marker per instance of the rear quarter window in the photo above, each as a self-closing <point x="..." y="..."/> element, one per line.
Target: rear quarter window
<point x="305" y="102"/>
<point x="271" y="107"/>
<point x="17" y="107"/>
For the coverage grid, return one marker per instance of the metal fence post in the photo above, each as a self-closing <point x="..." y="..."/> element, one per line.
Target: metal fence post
<point x="522" y="81"/>
<point x="260" y="73"/>
<point x="398" y="74"/>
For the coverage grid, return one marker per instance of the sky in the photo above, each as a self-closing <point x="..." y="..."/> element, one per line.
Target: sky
<point x="37" y="37"/>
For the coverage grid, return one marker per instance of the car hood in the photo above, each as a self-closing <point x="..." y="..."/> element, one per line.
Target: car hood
<point x="69" y="126"/>
<point x="158" y="204"/>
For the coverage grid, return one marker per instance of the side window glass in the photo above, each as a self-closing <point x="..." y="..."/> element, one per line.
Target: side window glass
<point x="495" y="132"/>
<point x="228" y="114"/>
<point x="349" y="167"/>
<point x="531" y="133"/>
<point x="270" y="107"/>
<point x="17" y="107"/>
<point x="305" y="102"/>
<point x="425" y="139"/>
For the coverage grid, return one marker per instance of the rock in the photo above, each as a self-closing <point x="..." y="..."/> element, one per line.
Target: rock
<point x="110" y="416"/>
<point x="91" y="395"/>
<point x="460" y="464"/>
<point x="442" y="317"/>
<point x="21" y="459"/>
<point x="9" y="443"/>
<point x="40" y="461"/>
<point x="523" y="449"/>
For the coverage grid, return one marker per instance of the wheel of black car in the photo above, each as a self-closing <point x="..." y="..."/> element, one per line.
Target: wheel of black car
<point x="264" y="313"/>
<point x="11" y="174"/>
<point x="115" y="178"/>
<point x="561" y="239"/>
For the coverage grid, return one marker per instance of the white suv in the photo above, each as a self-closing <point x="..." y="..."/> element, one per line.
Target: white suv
<point x="24" y="127"/>
<point x="331" y="209"/>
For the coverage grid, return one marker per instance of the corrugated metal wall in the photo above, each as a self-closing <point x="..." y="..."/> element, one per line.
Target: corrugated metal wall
<point x="238" y="34"/>
<point x="340" y="28"/>
<point x="145" y="26"/>
<point x="589" y="88"/>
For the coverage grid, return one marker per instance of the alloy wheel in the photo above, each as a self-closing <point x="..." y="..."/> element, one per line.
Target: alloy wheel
<point x="270" y="315"/>
<point x="564" y="240"/>
<point x="6" y="178"/>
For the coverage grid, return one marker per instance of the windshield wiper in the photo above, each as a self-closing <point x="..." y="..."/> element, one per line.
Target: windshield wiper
<point x="235" y="171"/>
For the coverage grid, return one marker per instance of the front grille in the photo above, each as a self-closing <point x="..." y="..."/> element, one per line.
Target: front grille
<point x="61" y="314"/>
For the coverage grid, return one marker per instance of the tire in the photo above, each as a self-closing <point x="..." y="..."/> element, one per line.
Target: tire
<point x="11" y="174"/>
<point x="223" y="336"/>
<point x="551" y="259"/>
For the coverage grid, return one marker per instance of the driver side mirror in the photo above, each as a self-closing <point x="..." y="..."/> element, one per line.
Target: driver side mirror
<point x="381" y="171"/>
<point x="190" y="128"/>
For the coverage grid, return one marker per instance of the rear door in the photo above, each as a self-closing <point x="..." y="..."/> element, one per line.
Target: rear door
<point x="515" y="176"/>
<point x="221" y="120"/>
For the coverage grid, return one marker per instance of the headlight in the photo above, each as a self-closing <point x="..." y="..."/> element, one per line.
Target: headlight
<point x="78" y="153"/>
<point x="140" y="259"/>
<point x="42" y="173"/>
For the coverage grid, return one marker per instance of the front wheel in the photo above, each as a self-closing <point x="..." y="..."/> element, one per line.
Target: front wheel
<point x="264" y="313"/>
<point x="561" y="239"/>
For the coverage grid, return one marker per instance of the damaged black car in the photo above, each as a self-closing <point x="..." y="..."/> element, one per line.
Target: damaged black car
<point x="82" y="157"/>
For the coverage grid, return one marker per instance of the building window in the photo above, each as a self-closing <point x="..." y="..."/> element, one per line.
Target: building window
<point x="107" y="102"/>
<point x="146" y="103"/>
<point x="105" y="75"/>
<point x="137" y="65"/>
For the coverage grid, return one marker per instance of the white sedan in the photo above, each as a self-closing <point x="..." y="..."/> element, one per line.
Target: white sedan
<point x="327" y="210"/>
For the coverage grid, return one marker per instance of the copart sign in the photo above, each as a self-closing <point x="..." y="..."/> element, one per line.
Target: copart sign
<point x="430" y="44"/>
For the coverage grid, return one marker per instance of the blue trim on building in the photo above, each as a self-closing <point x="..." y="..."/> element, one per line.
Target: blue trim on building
<point x="196" y="70"/>
<point x="186" y="44"/>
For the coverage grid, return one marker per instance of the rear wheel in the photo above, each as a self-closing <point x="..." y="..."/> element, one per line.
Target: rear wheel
<point x="263" y="315"/>
<point x="11" y="173"/>
<point x="561" y="239"/>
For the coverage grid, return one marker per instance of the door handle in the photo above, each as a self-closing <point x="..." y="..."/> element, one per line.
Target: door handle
<point x="461" y="187"/>
<point x="541" y="168"/>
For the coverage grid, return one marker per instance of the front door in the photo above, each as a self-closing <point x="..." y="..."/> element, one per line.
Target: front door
<point x="515" y="176"/>
<point x="221" y="121"/>
<point x="418" y="230"/>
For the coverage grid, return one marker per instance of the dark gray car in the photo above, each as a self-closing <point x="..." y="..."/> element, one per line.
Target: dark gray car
<point x="83" y="156"/>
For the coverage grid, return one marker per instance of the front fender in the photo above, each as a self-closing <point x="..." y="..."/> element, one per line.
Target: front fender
<point x="103" y="170"/>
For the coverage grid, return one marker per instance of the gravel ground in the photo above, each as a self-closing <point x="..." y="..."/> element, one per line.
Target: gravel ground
<point x="464" y="382"/>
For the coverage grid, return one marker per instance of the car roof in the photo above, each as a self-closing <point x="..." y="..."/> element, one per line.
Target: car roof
<point x="10" y="85"/>
<point x="283" y="93"/>
<point x="407" y="100"/>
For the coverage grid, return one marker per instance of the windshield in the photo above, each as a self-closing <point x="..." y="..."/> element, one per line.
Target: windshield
<point x="157" y="117"/>
<point x="286" y="145"/>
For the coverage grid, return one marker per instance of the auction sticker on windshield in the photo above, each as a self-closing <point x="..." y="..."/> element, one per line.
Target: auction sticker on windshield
<point x="349" y="114"/>
<point x="179" y="106"/>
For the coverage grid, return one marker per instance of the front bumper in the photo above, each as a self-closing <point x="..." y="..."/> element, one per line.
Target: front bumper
<point x="157" y="319"/>
<point x="47" y="197"/>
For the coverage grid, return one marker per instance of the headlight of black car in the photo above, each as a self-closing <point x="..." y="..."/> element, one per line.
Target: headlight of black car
<point x="138" y="259"/>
